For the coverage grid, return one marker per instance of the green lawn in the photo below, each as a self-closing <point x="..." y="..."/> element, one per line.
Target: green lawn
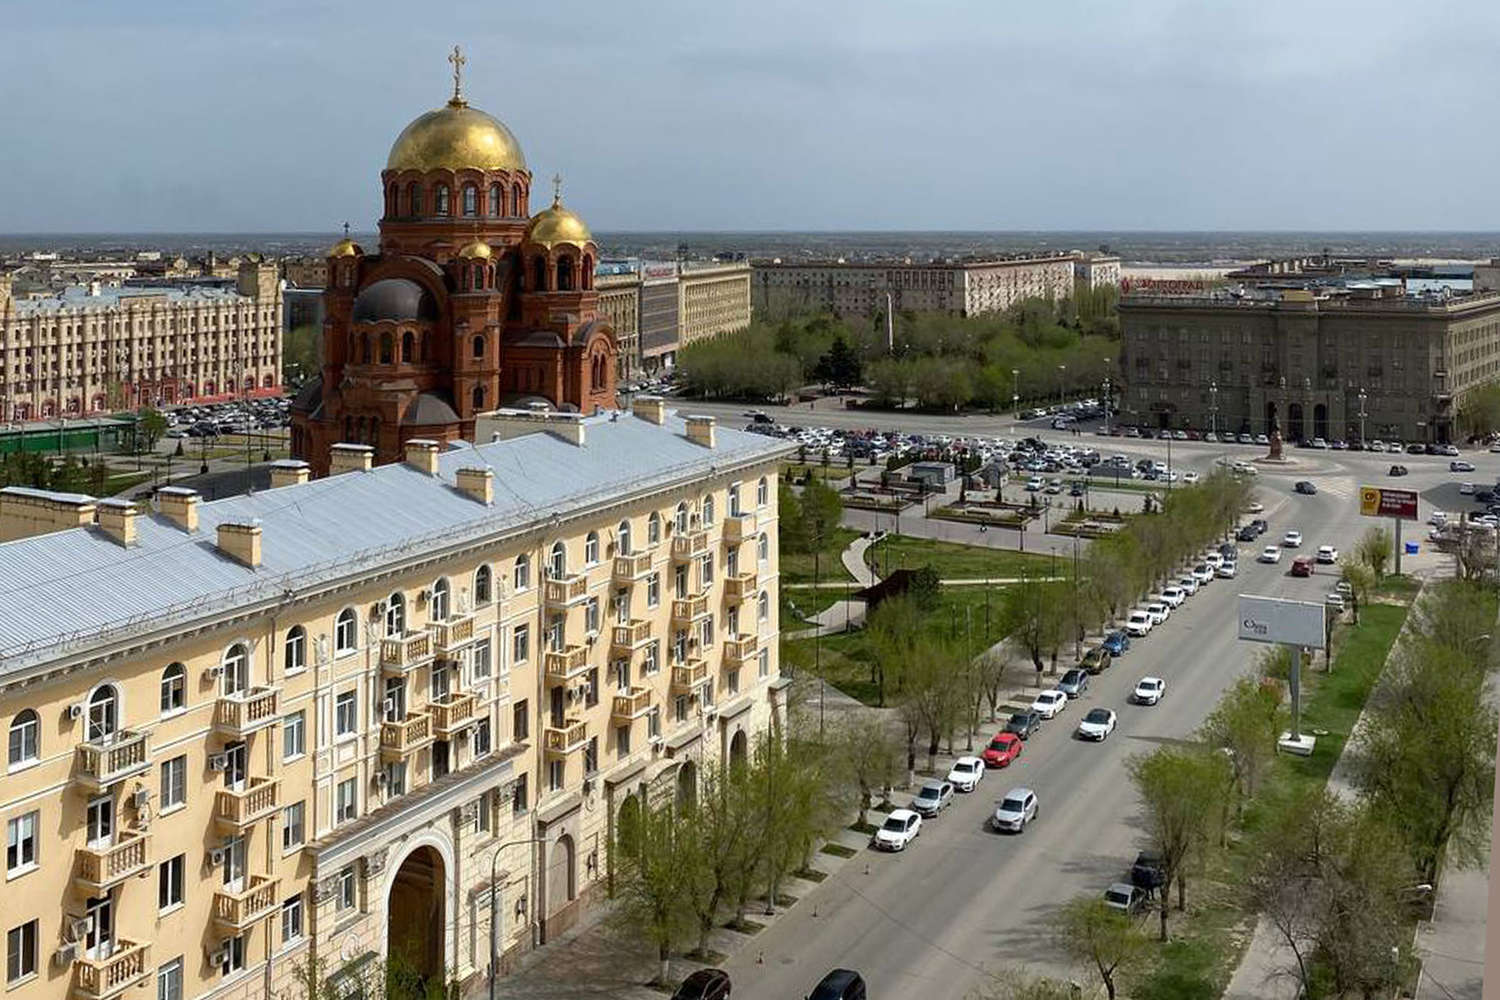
<point x="961" y="562"/>
<point x="797" y="567"/>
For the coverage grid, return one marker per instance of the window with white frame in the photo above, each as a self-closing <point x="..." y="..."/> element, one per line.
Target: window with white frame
<point x="395" y="778"/>
<point x="173" y="689"/>
<point x="293" y="735"/>
<point x="20" y="952"/>
<point x="591" y="615"/>
<point x="557" y="561"/>
<point x="555" y="774"/>
<point x="734" y="500"/>
<point x="555" y="634"/>
<point x="294" y="651"/>
<point x="345" y="632"/>
<point x="622" y="606"/>
<point x="651" y="659"/>
<point x="707" y="569"/>
<point x="21" y="844"/>
<point x="706" y="633"/>
<point x="482" y="813"/>
<point x="233" y="950"/>
<point x="763" y="608"/>
<point x="521" y="579"/>
<point x="291" y="920"/>
<point x="344" y="893"/>
<point x="345" y="714"/>
<point x="653" y="590"/>
<point x="762" y="492"/>
<point x="520" y="644"/>
<point x="765" y="662"/>
<point x="293" y="820"/>
<point x="622" y="538"/>
<point x="481" y="659"/>
<point x="441" y="594"/>
<point x="173" y="782"/>
<point x="682" y="517"/>
<point x="483" y="586"/>
<point x="170" y="876"/>
<point x="346" y="801"/>
<point x="762" y="549"/>
<point x="25" y="739"/>
<point x="482" y="738"/>
<point x="395" y="615"/>
<point x="169" y="980"/>
<point x="708" y="510"/>
<point x="591" y="548"/>
<point x="653" y="529"/>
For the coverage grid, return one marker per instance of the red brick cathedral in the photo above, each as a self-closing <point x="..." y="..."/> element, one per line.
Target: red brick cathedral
<point x="472" y="302"/>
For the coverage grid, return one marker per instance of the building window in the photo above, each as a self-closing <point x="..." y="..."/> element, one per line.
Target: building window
<point x="174" y="783"/>
<point x="169" y="876"/>
<point x="591" y="549"/>
<point x="555" y="634"/>
<point x="440" y="594"/>
<point x="345" y="893"/>
<point x="707" y="570"/>
<point x="653" y="722"/>
<point x="622" y="741"/>
<point x="623" y="538"/>
<point x="293" y="735"/>
<point x="520" y="646"/>
<point x="482" y="814"/>
<point x="481" y="659"/>
<point x="395" y="615"/>
<point x="762" y="492"/>
<point x="482" y="738"/>
<point x="169" y="981"/>
<point x="733" y="678"/>
<point x="763" y="608"/>
<point x="555" y="773"/>
<point x="591" y="615"/>
<point x="477" y="347"/>
<point x="521" y="723"/>
<point x="103" y="714"/>
<point x="291" y="920"/>
<point x="518" y="801"/>
<point x="682" y="518"/>
<point x="25" y="737"/>
<point x="762" y="550"/>
<point x="20" y="844"/>
<point x="440" y="199"/>
<point x="294" y="652"/>
<point x="20" y="952"/>
<point x="591" y="689"/>
<point x="395" y="779"/>
<point x="680" y="708"/>
<point x="483" y="585"/>
<point x="708" y="511"/>
<point x="233" y="950"/>
<point x="496" y="204"/>
<point x="173" y="689"/>
<point x="651" y="661"/>
<point x="471" y="199"/>
<point x="345" y="806"/>
<point x="345" y="715"/>
<point x="292" y="819"/>
<point x="653" y="529"/>
<point x="557" y="561"/>
<point x="765" y="662"/>
<point x="522" y="574"/>
<point x="591" y="757"/>
<point x="236" y="678"/>
<point x="653" y="590"/>
<point x="345" y="632"/>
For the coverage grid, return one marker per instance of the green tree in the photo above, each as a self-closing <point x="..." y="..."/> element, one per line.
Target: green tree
<point x="1361" y="580"/>
<point x="840" y="366"/>
<point x="1479" y="413"/>
<point x="819" y="513"/>
<point x="1374" y="550"/>
<point x="1179" y="788"/>
<point x="867" y="755"/>
<point x="301" y="352"/>
<point x="151" y="425"/>
<point x="1246" y="724"/>
<point x="654" y="882"/>
<point x="1092" y="933"/>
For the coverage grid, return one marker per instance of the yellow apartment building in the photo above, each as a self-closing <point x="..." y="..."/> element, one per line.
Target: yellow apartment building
<point x="348" y="717"/>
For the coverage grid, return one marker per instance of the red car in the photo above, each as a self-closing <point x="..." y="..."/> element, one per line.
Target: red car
<point x="1003" y="749"/>
<point x="1302" y="566"/>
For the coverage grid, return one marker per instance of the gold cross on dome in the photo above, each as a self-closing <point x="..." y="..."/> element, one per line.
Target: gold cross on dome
<point x="456" y="57"/>
<point x="556" y="189"/>
<point x="346" y="230"/>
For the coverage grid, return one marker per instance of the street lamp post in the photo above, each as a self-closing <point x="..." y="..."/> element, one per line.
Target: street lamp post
<point x="1213" y="408"/>
<point x="495" y="907"/>
<point x="1362" y="398"/>
<point x="1062" y="372"/>
<point x="1015" y="391"/>
<point x="1106" y="406"/>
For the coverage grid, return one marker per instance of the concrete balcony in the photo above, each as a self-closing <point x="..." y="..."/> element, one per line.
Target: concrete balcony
<point x="452" y="713"/>
<point x="129" y="963"/>
<point x="631" y="705"/>
<point x="401" y="739"/>
<point x="235" y="911"/>
<point x="404" y="653"/>
<point x="633" y="567"/>
<point x="632" y="635"/>
<point x="686" y="677"/>
<point x="237" y="808"/>
<point x="742" y="587"/>
<point x="686" y="610"/>
<point x="102" y="763"/>
<point x="565" y="591"/>
<point x="100" y="868"/>
<point x="243" y="713"/>
<point x="452" y="635"/>
<point x="690" y="544"/>
<point x="741" y="650"/>
<point x="739" y="528"/>
<point x="566" y="664"/>
<point x="568" y="737"/>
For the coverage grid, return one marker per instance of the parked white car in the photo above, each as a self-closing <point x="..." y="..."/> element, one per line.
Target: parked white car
<point x="1158" y="612"/>
<point x="1189" y="584"/>
<point x="966" y="773"/>
<point x="1228" y="569"/>
<point x="1149" y="691"/>
<point x="1203" y="573"/>
<point x="1137" y="623"/>
<point x="900" y="828"/>
<point x="1173" y="596"/>
<point x="1049" y="703"/>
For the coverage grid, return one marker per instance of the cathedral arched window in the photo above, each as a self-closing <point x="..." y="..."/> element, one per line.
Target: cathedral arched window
<point x="478" y="348"/>
<point x="440" y="200"/>
<point x="471" y="199"/>
<point x="539" y="275"/>
<point x="478" y="276"/>
<point x="387" y="348"/>
<point x="565" y="274"/>
<point x="407" y="344"/>
<point x="496" y="205"/>
<point x="478" y="396"/>
<point x="413" y="199"/>
<point x="516" y="196"/>
<point x="364" y="348"/>
<point x="391" y="201"/>
<point x="586" y="278"/>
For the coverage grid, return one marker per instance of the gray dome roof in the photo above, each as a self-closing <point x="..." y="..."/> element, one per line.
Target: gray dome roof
<point x="430" y="408"/>
<point x="393" y="298"/>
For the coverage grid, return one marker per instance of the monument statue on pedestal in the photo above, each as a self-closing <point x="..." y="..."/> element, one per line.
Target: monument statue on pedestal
<point x="1275" y="453"/>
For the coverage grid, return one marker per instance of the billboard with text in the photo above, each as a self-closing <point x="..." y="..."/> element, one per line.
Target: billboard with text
<point x="1382" y="501"/>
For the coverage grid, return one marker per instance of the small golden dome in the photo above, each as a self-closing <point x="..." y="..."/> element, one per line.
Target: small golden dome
<point x="346" y="248"/>
<point x="456" y="137"/>
<point x="556" y="225"/>
<point x="478" y="249"/>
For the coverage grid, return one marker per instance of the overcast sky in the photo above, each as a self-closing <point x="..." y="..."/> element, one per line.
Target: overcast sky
<point x="189" y="115"/>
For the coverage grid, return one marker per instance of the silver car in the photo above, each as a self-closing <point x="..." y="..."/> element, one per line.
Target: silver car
<point x="1015" y="810"/>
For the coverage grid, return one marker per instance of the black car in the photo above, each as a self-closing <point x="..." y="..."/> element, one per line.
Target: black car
<point x="1023" y="724"/>
<point x="705" y="984"/>
<point x="1485" y="496"/>
<point x="1247" y="533"/>
<point x="1306" y="486"/>
<point x="840" y="984"/>
<point x="1260" y="525"/>
<point x="1228" y="550"/>
<point x="1397" y="470"/>
<point x="1149" y="872"/>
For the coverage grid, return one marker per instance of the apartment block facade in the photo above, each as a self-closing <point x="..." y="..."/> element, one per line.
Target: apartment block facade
<point x="298" y="726"/>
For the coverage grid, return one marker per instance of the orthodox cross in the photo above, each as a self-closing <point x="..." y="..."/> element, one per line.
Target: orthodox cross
<point x="346" y="230"/>
<point x="456" y="57"/>
<point x="556" y="188"/>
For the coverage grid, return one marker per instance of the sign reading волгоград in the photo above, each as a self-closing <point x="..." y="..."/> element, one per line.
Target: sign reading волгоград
<point x="1273" y="619"/>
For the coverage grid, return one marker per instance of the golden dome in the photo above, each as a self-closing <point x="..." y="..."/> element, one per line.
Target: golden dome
<point x="345" y="248"/>
<point x="555" y="225"/>
<point x="455" y="137"/>
<point x="478" y="249"/>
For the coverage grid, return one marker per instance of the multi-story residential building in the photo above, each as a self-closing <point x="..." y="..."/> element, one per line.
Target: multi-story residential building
<point x="962" y="288"/>
<point x="306" y="272"/>
<point x="1364" y="361"/>
<point x="620" y="305"/>
<point x="666" y="305"/>
<point x="88" y="350"/>
<point x="715" y="300"/>
<point x="345" y="718"/>
<point x="1096" y="270"/>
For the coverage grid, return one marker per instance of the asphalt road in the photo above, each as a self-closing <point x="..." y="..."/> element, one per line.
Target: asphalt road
<point x="925" y="923"/>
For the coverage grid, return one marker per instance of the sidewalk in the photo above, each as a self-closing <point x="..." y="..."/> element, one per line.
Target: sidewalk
<point x="841" y="616"/>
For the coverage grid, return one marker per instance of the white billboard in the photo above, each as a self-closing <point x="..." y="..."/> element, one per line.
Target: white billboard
<point x="1274" y="619"/>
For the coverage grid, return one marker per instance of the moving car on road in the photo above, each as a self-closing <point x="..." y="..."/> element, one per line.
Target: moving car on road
<point x="1023" y="724"/>
<point x="1149" y="691"/>
<point x="1460" y="466"/>
<point x="966" y="773"/>
<point x="900" y="828"/>
<point x="1302" y="566"/>
<point x="1327" y="554"/>
<point x="1004" y="747"/>
<point x="1306" y="487"/>
<point x="1292" y="539"/>
<point x="1015" y="810"/>
<point x="932" y="798"/>
<point x="1397" y="470"/>
<point x="1096" y="725"/>
<point x="1049" y="704"/>
<point x="1128" y="899"/>
<point x="1270" y="554"/>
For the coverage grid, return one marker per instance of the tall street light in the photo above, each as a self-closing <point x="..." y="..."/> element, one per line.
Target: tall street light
<point x="1015" y="391"/>
<point x="1106" y="406"/>
<point x="1062" y="371"/>
<point x="1362" y="398"/>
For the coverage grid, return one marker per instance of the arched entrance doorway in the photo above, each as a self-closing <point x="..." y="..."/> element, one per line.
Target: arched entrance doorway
<point x="687" y="784"/>
<point x="628" y="826"/>
<point x="562" y="883"/>
<point x="1320" y="421"/>
<point x="738" y="749"/>
<point x="416" y="918"/>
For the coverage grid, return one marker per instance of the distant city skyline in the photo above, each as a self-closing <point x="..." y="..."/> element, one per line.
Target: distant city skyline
<point x="779" y="116"/>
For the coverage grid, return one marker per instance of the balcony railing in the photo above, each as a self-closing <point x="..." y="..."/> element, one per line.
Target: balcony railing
<point x="102" y="763"/>
<point x="633" y="634"/>
<point x="398" y="739"/>
<point x="243" y="713"/>
<point x="406" y="652"/>
<point x="632" y="567"/>
<point x="739" y="528"/>
<point x="567" y="663"/>
<point x="561" y="592"/>
<point x="235" y="911"/>
<point x="742" y="587"/>
<point x="237" y="808"/>
<point x="102" y="867"/>
<point x="564" y="739"/>
<point x="687" y="676"/>
<point x="687" y="609"/>
<point x="741" y="649"/>
<point x="451" y="635"/>
<point x="631" y="705"/>
<point x="129" y="962"/>
<point x="689" y="544"/>
<point x="452" y="713"/>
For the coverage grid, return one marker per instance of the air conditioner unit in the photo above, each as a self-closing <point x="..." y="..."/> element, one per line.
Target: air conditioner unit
<point x="213" y="673"/>
<point x="591" y="635"/>
<point x="66" y="954"/>
<point x="78" y="928"/>
<point x="75" y="712"/>
<point x="218" y="762"/>
<point x="424" y="595"/>
<point x="140" y="798"/>
<point x="388" y="707"/>
<point x="218" y="956"/>
<point x="216" y="856"/>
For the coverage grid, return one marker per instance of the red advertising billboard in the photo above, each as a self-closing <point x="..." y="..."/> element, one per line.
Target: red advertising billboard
<point x="1382" y="501"/>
